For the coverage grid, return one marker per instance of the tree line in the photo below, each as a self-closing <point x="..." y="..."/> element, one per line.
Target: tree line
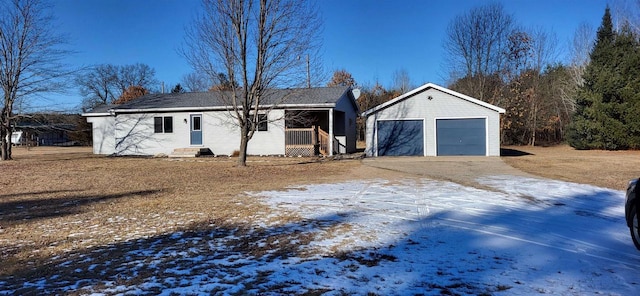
<point x="608" y="102"/>
<point x="492" y="58"/>
<point x="591" y="101"/>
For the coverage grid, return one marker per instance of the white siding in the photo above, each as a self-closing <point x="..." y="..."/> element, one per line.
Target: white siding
<point x="271" y="141"/>
<point x="134" y="134"/>
<point x="103" y="134"/>
<point x="221" y="134"/>
<point x="441" y="105"/>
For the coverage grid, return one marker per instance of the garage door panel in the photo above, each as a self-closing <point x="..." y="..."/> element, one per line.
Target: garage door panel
<point x="461" y="136"/>
<point x="400" y="137"/>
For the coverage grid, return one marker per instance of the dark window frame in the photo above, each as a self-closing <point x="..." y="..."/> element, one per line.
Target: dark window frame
<point x="196" y="123"/>
<point x="263" y="123"/>
<point x="157" y="125"/>
<point x="168" y="124"/>
<point x="163" y="124"/>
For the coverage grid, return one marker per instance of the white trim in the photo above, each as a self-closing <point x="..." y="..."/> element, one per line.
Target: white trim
<point x="96" y="114"/>
<point x="213" y="108"/>
<point x="486" y="131"/>
<point x="424" y="132"/>
<point x="191" y="115"/>
<point x="436" y="87"/>
<point x="331" y="132"/>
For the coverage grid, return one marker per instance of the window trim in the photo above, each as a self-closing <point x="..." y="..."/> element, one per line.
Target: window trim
<point x="163" y="124"/>
<point x="263" y="123"/>
<point x="193" y="123"/>
<point x="168" y="128"/>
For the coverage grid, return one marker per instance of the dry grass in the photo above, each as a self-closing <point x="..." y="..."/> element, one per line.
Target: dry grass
<point x="59" y="200"/>
<point x="611" y="169"/>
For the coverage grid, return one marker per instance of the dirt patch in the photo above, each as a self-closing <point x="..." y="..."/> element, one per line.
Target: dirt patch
<point x="463" y="170"/>
<point x="610" y="169"/>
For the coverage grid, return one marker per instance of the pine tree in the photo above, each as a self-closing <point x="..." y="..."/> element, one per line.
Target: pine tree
<point x="629" y="48"/>
<point x="602" y="119"/>
<point x="177" y="89"/>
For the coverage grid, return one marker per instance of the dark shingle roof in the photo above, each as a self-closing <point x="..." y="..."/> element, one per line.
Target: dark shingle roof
<point x="298" y="96"/>
<point x="102" y="108"/>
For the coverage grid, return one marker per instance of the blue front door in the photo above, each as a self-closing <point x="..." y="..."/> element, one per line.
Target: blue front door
<point x="196" y="130"/>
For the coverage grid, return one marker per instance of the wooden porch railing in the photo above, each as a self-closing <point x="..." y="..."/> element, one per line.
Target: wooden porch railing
<point x="302" y="141"/>
<point x="323" y="141"/>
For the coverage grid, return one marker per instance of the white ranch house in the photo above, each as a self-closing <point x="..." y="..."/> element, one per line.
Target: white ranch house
<point x="433" y="121"/>
<point x="293" y="122"/>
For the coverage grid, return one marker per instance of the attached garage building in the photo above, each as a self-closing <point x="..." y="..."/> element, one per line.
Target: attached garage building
<point x="433" y="121"/>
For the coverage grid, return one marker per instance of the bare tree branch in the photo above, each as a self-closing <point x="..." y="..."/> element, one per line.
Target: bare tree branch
<point x="196" y="82"/>
<point x="475" y="43"/>
<point x="104" y="84"/>
<point x="402" y="81"/>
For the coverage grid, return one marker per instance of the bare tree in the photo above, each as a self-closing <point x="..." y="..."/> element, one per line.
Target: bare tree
<point x="135" y="75"/>
<point x="259" y="44"/>
<point x="196" y="82"/>
<point x="96" y="85"/>
<point x="475" y="43"/>
<point x="544" y="48"/>
<point x="224" y="83"/>
<point x="104" y="84"/>
<point x="401" y="81"/>
<point x="580" y="50"/>
<point x="626" y="13"/>
<point x="30" y="59"/>
<point x="530" y="72"/>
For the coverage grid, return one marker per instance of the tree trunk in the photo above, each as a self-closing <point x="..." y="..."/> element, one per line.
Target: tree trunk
<point x="5" y="149"/>
<point x="244" y="140"/>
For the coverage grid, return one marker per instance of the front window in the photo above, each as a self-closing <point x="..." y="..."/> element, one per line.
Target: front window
<point x="263" y="123"/>
<point x="163" y="124"/>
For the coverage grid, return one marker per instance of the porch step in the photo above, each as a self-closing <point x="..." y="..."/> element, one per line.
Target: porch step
<point x="190" y="152"/>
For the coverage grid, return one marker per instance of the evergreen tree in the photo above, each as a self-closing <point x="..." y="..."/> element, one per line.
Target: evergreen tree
<point x="628" y="45"/>
<point x="177" y="89"/>
<point x="603" y="119"/>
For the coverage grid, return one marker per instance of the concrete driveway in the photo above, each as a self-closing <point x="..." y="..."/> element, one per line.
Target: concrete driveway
<point x="459" y="169"/>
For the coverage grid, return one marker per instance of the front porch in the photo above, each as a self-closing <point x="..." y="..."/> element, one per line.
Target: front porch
<point x="308" y="142"/>
<point x="312" y="133"/>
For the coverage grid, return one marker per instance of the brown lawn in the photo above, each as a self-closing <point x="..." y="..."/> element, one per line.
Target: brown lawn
<point x="59" y="200"/>
<point x="611" y="169"/>
<point x="55" y="200"/>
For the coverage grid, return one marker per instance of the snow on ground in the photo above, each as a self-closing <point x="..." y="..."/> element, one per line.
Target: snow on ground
<point x="516" y="236"/>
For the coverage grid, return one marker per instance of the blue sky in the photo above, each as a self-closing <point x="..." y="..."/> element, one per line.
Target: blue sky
<point x="370" y="39"/>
